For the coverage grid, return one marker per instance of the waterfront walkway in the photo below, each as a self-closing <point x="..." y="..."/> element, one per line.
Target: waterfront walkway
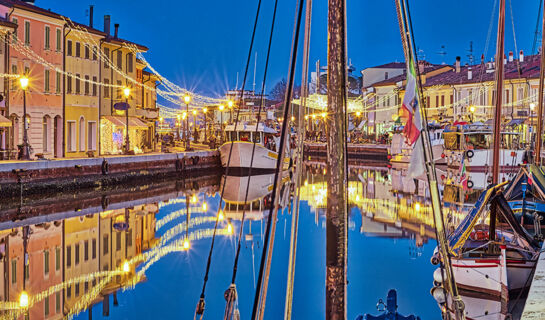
<point x="535" y="306"/>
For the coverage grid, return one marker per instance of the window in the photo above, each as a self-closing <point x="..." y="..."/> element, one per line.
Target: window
<point x="69" y="48"/>
<point x="78" y="83"/>
<point x="95" y="53"/>
<point x="520" y="94"/>
<point x="106" y="88"/>
<point x="94" y="246"/>
<point x="45" y="134"/>
<point x="27" y="271"/>
<point x="442" y="100"/>
<point x="46" y="261"/>
<point x="86" y="250"/>
<point x="129" y="62"/>
<point x="86" y="286"/>
<point x="105" y="244"/>
<point x="120" y="60"/>
<point x="86" y="85"/>
<point x="78" y="49"/>
<point x="119" y="85"/>
<point x="507" y="96"/>
<point x="46" y="80"/>
<point x="91" y="145"/>
<point x="57" y="259"/>
<point x="76" y="290"/>
<point x="27" y="33"/>
<point x="71" y="140"/>
<point x="59" y="39"/>
<point x="13" y="271"/>
<point x="94" y="86"/>
<point x="46" y="306"/>
<point x="57" y="302"/>
<point x="14" y="71"/>
<point x="81" y="134"/>
<point x="129" y="238"/>
<point x="47" y="35"/>
<point x="15" y="33"/>
<point x="69" y="248"/>
<point x="58" y="82"/>
<point x="118" y="241"/>
<point x="436" y="101"/>
<point x="68" y="83"/>
<point x="69" y="291"/>
<point x="87" y="53"/>
<point x="76" y="254"/>
<point x="107" y="54"/>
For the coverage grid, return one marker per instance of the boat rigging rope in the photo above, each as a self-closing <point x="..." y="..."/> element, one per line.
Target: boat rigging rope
<point x="260" y="294"/>
<point x="231" y="297"/>
<point x="200" y="305"/>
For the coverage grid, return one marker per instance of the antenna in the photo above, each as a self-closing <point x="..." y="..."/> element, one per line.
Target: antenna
<point x="470" y="51"/>
<point x="420" y="54"/>
<point x="442" y="52"/>
<point x="255" y="67"/>
<point x="537" y="32"/>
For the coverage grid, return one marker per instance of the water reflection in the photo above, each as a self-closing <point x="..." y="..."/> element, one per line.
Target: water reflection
<point x="141" y="251"/>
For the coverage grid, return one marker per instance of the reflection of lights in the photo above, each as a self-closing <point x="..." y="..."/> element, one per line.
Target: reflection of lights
<point x="325" y="171"/>
<point x="126" y="267"/>
<point x="204" y="206"/>
<point x="306" y="183"/>
<point x="186" y="244"/>
<point x="23" y="300"/>
<point x="229" y="228"/>
<point x="194" y="199"/>
<point x="417" y="206"/>
<point x="220" y="215"/>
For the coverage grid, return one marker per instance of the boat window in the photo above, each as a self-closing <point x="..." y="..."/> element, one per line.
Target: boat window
<point x="478" y="141"/>
<point x="257" y="138"/>
<point x="233" y="136"/>
<point x="255" y="204"/>
<point x="452" y="140"/>
<point x="244" y="136"/>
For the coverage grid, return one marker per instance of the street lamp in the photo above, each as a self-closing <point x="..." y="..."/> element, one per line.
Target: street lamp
<point x="127" y="93"/>
<point x="204" y="110"/>
<point x="178" y="124"/>
<point x="230" y="105"/>
<point x="532" y="108"/>
<point x="195" y="121"/>
<point x="23" y="81"/>
<point x="472" y="111"/>
<point x="221" y="107"/>
<point x="187" y="100"/>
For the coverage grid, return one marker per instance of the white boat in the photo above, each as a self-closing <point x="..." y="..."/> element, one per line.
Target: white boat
<point x="400" y="152"/>
<point x="240" y="143"/>
<point x="472" y="144"/>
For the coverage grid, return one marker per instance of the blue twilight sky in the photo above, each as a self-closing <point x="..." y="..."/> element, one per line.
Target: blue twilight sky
<point x="201" y="45"/>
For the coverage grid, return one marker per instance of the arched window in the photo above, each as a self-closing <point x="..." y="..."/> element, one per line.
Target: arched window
<point x="81" y="134"/>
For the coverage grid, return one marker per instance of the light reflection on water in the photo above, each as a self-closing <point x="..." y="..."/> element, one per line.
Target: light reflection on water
<point x="390" y="244"/>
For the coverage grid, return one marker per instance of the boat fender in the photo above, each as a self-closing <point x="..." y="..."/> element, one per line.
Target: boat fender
<point x="469" y="184"/>
<point x="435" y="259"/>
<point x="438" y="276"/>
<point x="470" y="154"/>
<point x="104" y="202"/>
<point x="105" y="167"/>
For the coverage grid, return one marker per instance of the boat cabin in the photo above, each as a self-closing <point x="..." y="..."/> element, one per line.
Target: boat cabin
<point x="247" y="132"/>
<point x="478" y="137"/>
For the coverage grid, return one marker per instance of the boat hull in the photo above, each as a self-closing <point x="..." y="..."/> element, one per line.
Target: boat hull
<point x="241" y="156"/>
<point x="481" y="160"/>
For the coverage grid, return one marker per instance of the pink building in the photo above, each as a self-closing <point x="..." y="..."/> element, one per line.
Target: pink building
<point x="39" y="34"/>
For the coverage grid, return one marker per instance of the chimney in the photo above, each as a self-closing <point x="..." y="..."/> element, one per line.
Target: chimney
<point x="482" y="58"/>
<point x="510" y="56"/>
<point x="29" y="1"/>
<point x="107" y="19"/>
<point x="457" y="64"/>
<point x="521" y="56"/>
<point x="504" y="59"/>
<point x="469" y="73"/>
<point x="421" y="66"/>
<point x="91" y="7"/>
<point x="116" y="26"/>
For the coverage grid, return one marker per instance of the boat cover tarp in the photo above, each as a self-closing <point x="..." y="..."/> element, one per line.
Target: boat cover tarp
<point x="534" y="178"/>
<point x="458" y="238"/>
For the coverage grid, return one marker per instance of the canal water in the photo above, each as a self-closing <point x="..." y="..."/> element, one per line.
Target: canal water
<point x="130" y="253"/>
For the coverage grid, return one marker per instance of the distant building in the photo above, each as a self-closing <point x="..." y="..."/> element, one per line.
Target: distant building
<point x="382" y="72"/>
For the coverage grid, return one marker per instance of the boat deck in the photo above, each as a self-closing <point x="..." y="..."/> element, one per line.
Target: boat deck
<point x="535" y="308"/>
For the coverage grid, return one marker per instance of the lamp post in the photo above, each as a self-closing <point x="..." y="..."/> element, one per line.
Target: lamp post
<point x="230" y="105"/>
<point x="204" y="110"/>
<point x="187" y="100"/>
<point x="195" y="124"/>
<point x="221" y="107"/>
<point x="472" y="113"/>
<point x="23" y="81"/>
<point x="127" y="93"/>
<point x="178" y="125"/>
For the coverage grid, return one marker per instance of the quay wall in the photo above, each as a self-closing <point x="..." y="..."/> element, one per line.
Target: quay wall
<point x="52" y="176"/>
<point x="368" y="152"/>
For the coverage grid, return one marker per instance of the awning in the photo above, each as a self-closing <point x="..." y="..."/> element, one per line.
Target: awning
<point x="122" y="122"/>
<point x="4" y="122"/>
<point x="516" y="122"/>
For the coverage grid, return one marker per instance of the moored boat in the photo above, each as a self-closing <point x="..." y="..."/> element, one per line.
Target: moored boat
<point x="400" y="152"/>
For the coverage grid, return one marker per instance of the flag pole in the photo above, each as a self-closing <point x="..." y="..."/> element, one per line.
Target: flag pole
<point x="424" y="141"/>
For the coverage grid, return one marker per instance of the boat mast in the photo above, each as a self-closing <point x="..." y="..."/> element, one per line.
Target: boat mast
<point x="497" y="117"/>
<point x="336" y="212"/>
<point x="407" y="37"/>
<point x="537" y="157"/>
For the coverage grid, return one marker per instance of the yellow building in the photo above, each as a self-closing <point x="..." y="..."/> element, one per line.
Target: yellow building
<point x="118" y="71"/>
<point x="82" y="63"/>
